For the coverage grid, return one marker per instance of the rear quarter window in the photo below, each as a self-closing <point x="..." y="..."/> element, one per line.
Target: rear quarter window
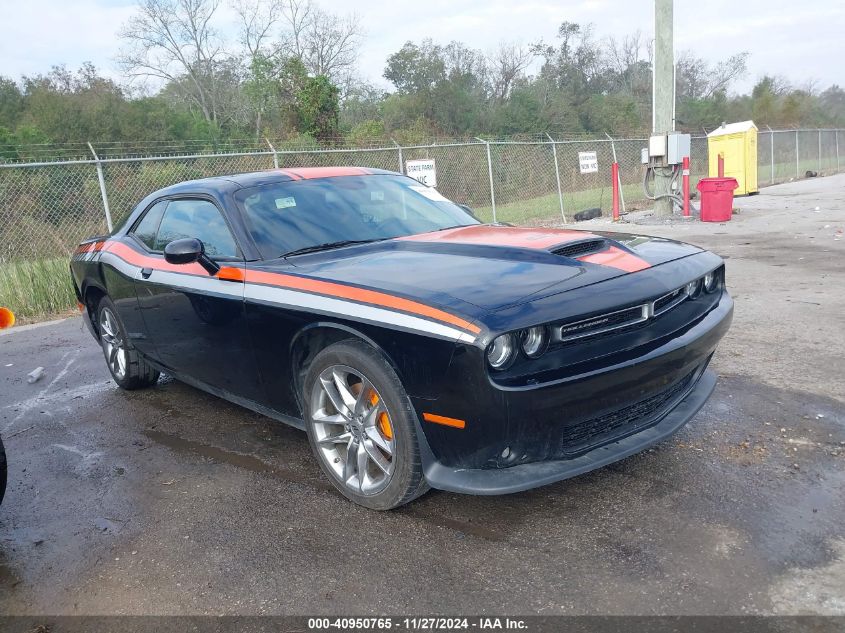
<point x="145" y="230"/>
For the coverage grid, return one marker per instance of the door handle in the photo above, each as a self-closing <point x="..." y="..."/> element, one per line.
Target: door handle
<point x="146" y="272"/>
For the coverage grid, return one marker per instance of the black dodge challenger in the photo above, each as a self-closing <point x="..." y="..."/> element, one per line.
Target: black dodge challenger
<point x="417" y="346"/>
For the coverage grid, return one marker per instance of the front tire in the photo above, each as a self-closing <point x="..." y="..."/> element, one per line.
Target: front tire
<point x="361" y="426"/>
<point x="127" y="367"/>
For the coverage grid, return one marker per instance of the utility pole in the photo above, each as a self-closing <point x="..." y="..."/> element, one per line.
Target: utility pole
<point x="663" y="92"/>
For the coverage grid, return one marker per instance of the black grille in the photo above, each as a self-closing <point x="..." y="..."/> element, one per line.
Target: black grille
<point x="666" y="300"/>
<point x="613" y="321"/>
<point x="585" y="435"/>
<point x="577" y="249"/>
<point x="594" y="325"/>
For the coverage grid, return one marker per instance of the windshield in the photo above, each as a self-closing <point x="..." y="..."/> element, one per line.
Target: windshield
<point x="295" y="216"/>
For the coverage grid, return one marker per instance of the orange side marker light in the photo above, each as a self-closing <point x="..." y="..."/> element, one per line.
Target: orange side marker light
<point x="7" y="318"/>
<point x="442" y="419"/>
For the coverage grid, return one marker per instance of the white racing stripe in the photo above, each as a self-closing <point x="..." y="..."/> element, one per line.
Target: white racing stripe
<point x="206" y="285"/>
<point x="293" y="299"/>
<point x="120" y="265"/>
<point x="284" y="297"/>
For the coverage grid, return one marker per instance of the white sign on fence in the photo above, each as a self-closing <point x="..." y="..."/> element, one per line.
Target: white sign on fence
<point x="422" y="170"/>
<point x="589" y="162"/>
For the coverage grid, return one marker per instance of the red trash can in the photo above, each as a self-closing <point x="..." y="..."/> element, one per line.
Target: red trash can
<point x="717" y="198"/>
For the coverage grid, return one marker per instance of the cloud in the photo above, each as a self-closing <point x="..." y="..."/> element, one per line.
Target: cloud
<point x="38" y="34"/>
<point x="796" y="40"/>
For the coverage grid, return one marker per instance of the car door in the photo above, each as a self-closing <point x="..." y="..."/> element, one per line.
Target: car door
<point x="197" y="321"/>
<point x="125" y="292"/>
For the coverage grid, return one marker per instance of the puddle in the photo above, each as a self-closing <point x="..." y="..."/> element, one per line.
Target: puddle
<point x="246" y="462"/>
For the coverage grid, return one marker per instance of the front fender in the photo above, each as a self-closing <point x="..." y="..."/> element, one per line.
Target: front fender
<point x="285" y="339"/>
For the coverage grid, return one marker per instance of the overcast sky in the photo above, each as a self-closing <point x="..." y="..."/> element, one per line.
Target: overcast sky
<point x="801" y="40"/>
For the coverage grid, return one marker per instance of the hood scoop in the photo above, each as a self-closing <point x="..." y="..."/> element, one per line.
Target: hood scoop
<point x="581" y="248"/>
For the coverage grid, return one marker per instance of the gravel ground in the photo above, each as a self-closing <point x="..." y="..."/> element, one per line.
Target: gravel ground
<point x="170" y="501"/>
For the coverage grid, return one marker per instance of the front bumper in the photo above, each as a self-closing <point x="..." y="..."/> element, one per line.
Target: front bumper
<point x="516" y="439"/>
<point x="497" y="481"/>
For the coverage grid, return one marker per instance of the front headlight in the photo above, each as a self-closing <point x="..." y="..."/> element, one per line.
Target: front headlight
<point x="501" y="351"/>
<point x="694" y="288"/>
<point x="534" y="341"/>
<point x="711" y="281"/>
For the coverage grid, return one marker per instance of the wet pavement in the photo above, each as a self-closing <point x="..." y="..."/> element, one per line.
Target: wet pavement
<point x="172" y="501"/>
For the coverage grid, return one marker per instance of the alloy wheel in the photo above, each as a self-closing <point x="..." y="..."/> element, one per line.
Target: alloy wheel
<point x="353" y="429"/>
<point x="113" y="344"/>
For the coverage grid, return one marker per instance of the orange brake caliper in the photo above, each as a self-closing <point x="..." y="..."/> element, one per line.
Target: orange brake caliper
<point x="383" y="419"/>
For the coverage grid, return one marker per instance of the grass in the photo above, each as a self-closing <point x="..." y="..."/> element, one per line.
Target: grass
<point x="37" y="290"/>
<point x="548" y="207"/>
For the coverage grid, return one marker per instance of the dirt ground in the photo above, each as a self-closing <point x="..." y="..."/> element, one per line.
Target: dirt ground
<point x="170" y="501"/>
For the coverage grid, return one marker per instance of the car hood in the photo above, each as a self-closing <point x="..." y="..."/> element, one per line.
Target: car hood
<point x="483" y="268"/>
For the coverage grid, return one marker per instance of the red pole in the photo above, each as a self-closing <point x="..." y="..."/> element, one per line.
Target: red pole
<point x="614" y="174"/>
<point x="686" y="185"/>
<point x="721" y="165"/>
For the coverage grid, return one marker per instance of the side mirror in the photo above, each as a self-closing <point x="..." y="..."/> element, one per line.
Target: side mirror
<point x="187" y="251"/>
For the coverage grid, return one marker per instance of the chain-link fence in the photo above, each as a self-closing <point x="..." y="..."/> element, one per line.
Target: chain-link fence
<point x="46" y="208"/>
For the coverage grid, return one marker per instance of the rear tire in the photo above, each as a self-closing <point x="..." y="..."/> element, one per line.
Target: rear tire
<point x="371" y="459"/>
<point x="127" y="367"/>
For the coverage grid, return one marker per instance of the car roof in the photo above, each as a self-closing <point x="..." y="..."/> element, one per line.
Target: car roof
<point x="270" y="176"/>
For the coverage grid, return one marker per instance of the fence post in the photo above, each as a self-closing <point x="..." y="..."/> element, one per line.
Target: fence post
<point x="401" y="162"/>
<point x="275" y="155"/>
<point x="490" y="174"/>
<point x="103" y="193"/>
<point x="836" y="132"/>
<point x="820" y="152"/>
<point x="618" y="172"/>
<point x="614" y="187"/>
<point x="797" y="157"/>
<point x="772" y="153"/>
<point x="557" y="177"/>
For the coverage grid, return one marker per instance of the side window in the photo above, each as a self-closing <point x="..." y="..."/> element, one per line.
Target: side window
<point x="199" y="219"/>
<point x="146" y="229"/>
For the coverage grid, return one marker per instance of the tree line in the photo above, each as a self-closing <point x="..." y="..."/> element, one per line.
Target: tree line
<point x="292" y="72"/>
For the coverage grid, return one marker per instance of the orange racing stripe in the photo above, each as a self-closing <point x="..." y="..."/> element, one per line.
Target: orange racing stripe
<point x="617" y="258"/>
<point x="516" y="237"/>
<point x="540" y="239"/>
<point x="294" y="282"/>
<point x="89" y="247"/>
<point x="360" y="295"/>
<point x="132" y="256"/>
<point x="307" y="173"/>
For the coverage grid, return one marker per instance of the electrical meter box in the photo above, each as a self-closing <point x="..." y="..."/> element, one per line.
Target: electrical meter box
<point x="677" y="148"/>
<point x="657" y="146"/>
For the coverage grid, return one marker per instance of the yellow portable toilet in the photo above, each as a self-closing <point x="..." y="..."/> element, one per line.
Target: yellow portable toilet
<point x="737" y="142"/>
